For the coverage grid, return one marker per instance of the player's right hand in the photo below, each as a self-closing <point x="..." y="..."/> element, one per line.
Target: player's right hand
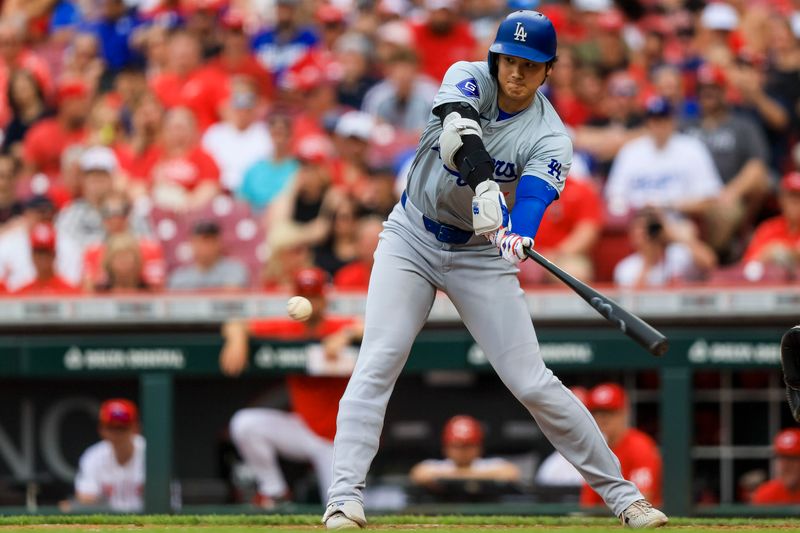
<point x="511" y="245"/>
<point x="489" y="209"/>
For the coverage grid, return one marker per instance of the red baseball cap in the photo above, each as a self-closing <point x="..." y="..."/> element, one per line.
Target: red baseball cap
<point x="43" y="237"/>
<point x="607" y="397"/>
<point x="709" y="74"/>
<point x="71" y="89"/>
<point x="791" y="182"/>
<point x="118" y="412"/>
<point x="232" y="20"/>
<point x="462" y="429"/>
<point x="310" y="282"/>
<point x="787" y="442"/>
<point x="315" y="149"/>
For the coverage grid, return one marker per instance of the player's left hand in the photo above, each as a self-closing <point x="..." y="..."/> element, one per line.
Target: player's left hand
<point x="511" y="245"/>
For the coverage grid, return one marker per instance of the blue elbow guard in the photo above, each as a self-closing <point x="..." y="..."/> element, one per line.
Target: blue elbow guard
<point x="533" y="196"/>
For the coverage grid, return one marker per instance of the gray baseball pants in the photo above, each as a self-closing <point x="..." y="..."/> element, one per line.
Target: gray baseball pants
<point x="410" y="265"/>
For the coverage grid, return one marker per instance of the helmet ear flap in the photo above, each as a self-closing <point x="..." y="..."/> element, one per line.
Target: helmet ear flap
<point x="493" y="64"/>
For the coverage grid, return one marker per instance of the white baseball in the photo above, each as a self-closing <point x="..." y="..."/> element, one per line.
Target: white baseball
<point x="299" y="308"/>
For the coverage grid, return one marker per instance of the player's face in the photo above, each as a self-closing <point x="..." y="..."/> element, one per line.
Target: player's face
<point x="788" y="470"/>
<point x="462" y="454"/>
<point x="612" y="423"/>
<point x="518" y="79"/>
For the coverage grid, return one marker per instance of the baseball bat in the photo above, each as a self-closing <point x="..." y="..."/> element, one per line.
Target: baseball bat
<point x="631" y="325"/>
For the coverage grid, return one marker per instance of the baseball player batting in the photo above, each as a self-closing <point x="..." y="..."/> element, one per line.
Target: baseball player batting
<point x="492" y="143"/>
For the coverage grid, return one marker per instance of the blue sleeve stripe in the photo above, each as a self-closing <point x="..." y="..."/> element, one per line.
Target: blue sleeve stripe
<point x="533" y="196"/>
<point x="533" y="187"/>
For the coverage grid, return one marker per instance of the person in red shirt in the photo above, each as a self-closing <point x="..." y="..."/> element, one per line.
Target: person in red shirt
<point x="307" y="431"/>
<point x="568" y="232"/>
<point x="777" y="240"/>
<point x="443" y="38"/>
<point x="637" y="452"/>
<point x="46" y="141"/>
<point x="354" y="276"/>
<point x="184" y="176"/>
<point x="784" y="489"/>
<point x="43" y="253"/>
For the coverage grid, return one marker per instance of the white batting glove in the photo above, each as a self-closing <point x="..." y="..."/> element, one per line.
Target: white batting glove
<point x="489" y="209"/>
<point x="511" y="246"/>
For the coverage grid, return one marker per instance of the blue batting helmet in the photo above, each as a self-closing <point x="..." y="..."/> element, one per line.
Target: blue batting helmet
<point x="526" y="34"/>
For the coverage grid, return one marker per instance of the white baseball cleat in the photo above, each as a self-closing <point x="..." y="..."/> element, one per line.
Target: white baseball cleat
<point x="641" y="514"/>
<point x="344" y="515"/>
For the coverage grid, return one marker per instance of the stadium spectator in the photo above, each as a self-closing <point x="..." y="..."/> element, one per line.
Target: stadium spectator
<point x="569" y="231"/>
<point x="669" y="84"/>
<point x="123" y="267"/>
<point x="82" y="62"/>
<point x="289" y="254"/>
<point x="14" y="54"/>
<point x="637" y="452"/>
<point x="184" y="177"/>
<point x="664" y="168"/>
<point x="781" y="72"/>
<point x="352" y="136"/>
<point x="210" y="268"/>
<point x="305" y="433"/>
<point x="182" y="70"/>
<point x="462" y="447"/>
<point x="240" y="140"/>
<point x="666" y="252"/>
<point x="266" y="179"/>
<point x="341" y="245"/>
<point x="47" y="139"/>
<point x="442" y="38"/>
<point x="27" y="103"/>
<point x="282" y="45"/>
<point x="80" y="224"/>
<point x="111" y="473"/>
<point x="16" y="258"/>
<point x="307" y="201"/>
<point x="784" y="488"/>
<point x="377" y="195"/>
<point x="143" y="146"/>
<point x="739" y="149"/>
<point x="403" y="99"/>
<point x="353" y="53"/>
<point x="10" y="205"/>
<point x="104" y="125"/>
<point x="235" y="59"/>
<point x="116" y="28"/>
<point x="43" y="253"/>
<point x="354" y="276"/>
<point x="777" y="240"/>
<point x="562" y="87"/>
<point x="115" y="209"/>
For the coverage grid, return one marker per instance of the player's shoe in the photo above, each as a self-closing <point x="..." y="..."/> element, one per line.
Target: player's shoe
<point x="344" y="515"/>
<point x="641" y="514"/>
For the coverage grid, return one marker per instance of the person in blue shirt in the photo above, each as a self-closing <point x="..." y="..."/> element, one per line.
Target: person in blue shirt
<point x="280" y="47"/>
<point x="116" y="28"/>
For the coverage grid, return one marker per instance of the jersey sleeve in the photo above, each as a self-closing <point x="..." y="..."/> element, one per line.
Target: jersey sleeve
<point x="465" y="82"/>
<point x="86" y="481"/>
<point x="550" y="160"/>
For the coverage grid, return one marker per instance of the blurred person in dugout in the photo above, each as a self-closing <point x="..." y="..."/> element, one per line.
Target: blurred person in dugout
<point x="784" y="488"/>
<point x="637" y="452"/>
<point x="111" y="473"/>
<point x="462" y="447"/>
<point x="665" y="253"/>
<point x="776" y="241"/>
<point x="305" y="433"/>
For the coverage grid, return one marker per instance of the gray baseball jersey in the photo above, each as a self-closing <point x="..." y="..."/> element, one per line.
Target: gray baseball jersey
<point x="532" y="142"/>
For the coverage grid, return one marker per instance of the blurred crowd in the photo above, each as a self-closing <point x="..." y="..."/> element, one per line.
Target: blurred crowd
<point x="226" y="144"/>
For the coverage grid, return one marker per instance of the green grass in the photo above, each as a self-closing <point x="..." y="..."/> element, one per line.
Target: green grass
<point x="441" y="524"/>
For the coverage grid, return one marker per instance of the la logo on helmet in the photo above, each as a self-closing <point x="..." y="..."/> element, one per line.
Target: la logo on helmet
<point x="519" y="33"/>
